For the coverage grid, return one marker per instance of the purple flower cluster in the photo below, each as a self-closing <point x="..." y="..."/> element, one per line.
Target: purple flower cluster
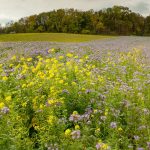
<point x="75" y="118"/>
<point x="113" y="125"/>
<point x="5" y="110"/>
<point x="76" y="134"/>
<point x="96" y="48"/>
<point x="84" y="117"/>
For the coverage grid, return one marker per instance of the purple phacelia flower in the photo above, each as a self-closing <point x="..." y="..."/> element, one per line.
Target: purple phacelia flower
<point x="76" y="134"/>
<point x="136" y="137"/>
<point x="88" y="91"/>
<point x="103" y="118"/>
<point x="126" y="103"/>
<point x="98" y="146"/>
<point x="140" y="148"/>
<point x="102" y="97"/>
<point x="89" y="110"/>
<point x="85" y="117"/>
<point x="148" y="145"/>
<point x="75" y="118"/>
<point x="146" y="111"/>
<point x="142" y="127"/>
<point x="65" y="91"/>
<point x="113" y="125"/>
<point x="5" y="110"/>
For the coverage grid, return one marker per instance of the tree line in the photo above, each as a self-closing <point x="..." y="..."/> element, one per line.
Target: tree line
<point x="118" y="20"/>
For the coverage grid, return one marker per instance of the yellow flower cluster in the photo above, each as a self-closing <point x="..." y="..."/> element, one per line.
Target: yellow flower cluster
<point x="68" y="132"/>
<point x="47" y="75"/>
<point x="1" y="105"/>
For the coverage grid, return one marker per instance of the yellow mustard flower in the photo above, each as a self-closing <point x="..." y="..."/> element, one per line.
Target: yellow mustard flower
<point x="29" y="59"/>
<point x="83" y="89"/>
<point x="24" y="85"/>
<point x="8" y="98"/>
<point x="66" y="84"/>
<point x="69" y="55"/>
<point x="53" y="50"/>
<point x="81" y="60"/>
<point x="88" y="73"/>
<point x="30" y="84"/>
<point x="51" y="119"/>
<point x="24" y="71"/>
<point x="100" y="79"/>
<point x="86" y="57"/>
<point x="13" y="58"/>
<point x="61" y="81"/>
<point x="24" y="104"/>
<point x="40" y="59"/>
<point x="74" y="83"/>
<point x="97" y="130"/>
<point x="10" y="65"/>
<point x="37" y="127"/>
<point x="93" y="66"/>
<point x="106" y="112"/>
<point x="2" y="105"/>
<point x="22" y="58"/>
<point x="41" y="106"/>
<point x="68" y="63"/>
<point x="61" y="57"/>
<point x="47" y="60"/>
<point x="77" y="127"/>
<point x="5" y="78"/>
<point x="75" y="113"/>
<point x="95" y="110"/>
<point x="120" y="129"/>
<point x="104" y="146"/>
<point x="38" y="56"/>
<point x="68" y="132"/>
<point x="76" y="57"/>
<point x="33" y="70"/>
<point x="51" y="101"/>
<point x="55" y="61"/>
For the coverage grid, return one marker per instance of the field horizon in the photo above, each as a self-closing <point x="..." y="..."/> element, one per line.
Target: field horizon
<point x="51" y="37"/>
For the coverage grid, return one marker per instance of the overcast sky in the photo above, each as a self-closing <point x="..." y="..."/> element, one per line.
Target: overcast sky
<point x="15" y="9"/>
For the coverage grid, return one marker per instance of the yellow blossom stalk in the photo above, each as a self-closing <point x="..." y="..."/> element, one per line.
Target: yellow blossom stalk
<point x="5" y="78"/>
<point x="8" y="98"/>
<point x="77" y="127"/>
<point x="68" y="132"/>
<point x="1" y="105"/>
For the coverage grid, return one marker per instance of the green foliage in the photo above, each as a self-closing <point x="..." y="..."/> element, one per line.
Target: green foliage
<point x="116" y="20"/>
<point x="85" y="31"/>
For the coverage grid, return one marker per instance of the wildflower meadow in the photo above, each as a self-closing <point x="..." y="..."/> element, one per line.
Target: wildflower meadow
<point x="71" y="101"/>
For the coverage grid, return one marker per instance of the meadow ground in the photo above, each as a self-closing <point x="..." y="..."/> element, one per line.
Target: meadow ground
<point x="125" y="43"/>
<point x="86" y="95"/>
<point x="52" y="37"/>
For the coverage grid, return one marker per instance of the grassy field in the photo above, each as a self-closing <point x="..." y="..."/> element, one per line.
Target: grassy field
<point x="53" y="37"/>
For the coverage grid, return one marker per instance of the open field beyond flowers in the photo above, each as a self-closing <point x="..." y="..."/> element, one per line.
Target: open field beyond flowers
<point x="53" y="37"/>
